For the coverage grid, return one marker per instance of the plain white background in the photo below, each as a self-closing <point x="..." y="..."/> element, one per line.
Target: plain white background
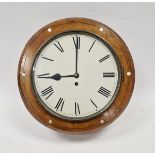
<point x="133" y="131"/>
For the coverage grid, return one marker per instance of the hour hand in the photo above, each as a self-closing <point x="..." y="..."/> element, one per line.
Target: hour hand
<point x="56" y="77"/>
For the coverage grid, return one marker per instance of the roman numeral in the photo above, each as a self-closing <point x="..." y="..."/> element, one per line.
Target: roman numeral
<point x="42" y="75"/>
<point x="104" y="58"/>
<point x="94" y="104"/>
<point x="92" y="46"/>
<point x="109" y="74"/>
<point x="59" y="47"/>
<point x="46" y="58"/>
<point x="60" y="104"/>
<point x="76" y="41"/>
<point x="105" y="92"/>
<point x="47" y="92"/>
<point x="77" y="109"/>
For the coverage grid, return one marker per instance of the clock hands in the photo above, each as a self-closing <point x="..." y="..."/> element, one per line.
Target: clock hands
<point x="77" y="47"/>
<point x="57" y="76"/>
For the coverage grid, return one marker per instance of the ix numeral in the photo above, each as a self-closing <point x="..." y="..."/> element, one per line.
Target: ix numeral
<point x="109" y="74"/>
<point x="76" y="41"/>
<point x="60" y="104"/>
<point x="104" y="58"/>
<point x="59" y="47"/>
<point x="47" y="92"/>
<point x="105" y="92"/>
<point x="77" y="109"/>
<point x="42" y="75"/>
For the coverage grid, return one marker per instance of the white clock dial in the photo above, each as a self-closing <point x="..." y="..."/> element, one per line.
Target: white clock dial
<point x="76" y="76"/>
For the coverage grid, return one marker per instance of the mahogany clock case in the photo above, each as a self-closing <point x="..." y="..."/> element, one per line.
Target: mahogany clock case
<point x="51" y="30"/>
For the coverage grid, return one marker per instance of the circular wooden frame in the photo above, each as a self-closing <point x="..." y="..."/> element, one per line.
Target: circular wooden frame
<point x="75" y="24"/>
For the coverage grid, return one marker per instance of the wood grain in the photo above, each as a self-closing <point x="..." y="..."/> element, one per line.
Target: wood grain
<point x="75" y="24"/>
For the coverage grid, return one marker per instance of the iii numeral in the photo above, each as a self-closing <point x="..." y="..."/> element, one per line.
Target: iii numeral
<point x="59" y="47"/>
<point x="104" y="58"/>
<point x="60" y="104"/>
<point x="105" y="92"/>
<point x="76" y="41"/>
<point x="77" y="109"/>
<point x="110" y="74"/>
<point x="47" y="92"/>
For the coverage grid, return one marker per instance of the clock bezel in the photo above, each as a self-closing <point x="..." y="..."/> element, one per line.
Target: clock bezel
<point x="76" y="24"/>
<point x="78" y="119"/>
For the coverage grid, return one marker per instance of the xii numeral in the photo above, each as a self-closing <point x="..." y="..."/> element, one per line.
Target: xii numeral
<point x="76" y="41"/>
<point x="105" y="92"/>
<point x="60" y="104"/>
<point x="77" y="109"/>
<point x="47" y="92"/>
<point x="109" y="74"/>
<point x="59" y="47"/>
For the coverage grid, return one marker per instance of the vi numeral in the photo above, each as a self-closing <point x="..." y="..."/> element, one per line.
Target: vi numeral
<point x="77" y="109"/>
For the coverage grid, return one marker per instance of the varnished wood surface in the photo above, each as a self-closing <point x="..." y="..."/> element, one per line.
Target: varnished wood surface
<point x="75" y="24"/>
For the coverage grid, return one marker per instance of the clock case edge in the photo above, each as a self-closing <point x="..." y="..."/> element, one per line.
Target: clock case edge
<point x="107" y="116"/>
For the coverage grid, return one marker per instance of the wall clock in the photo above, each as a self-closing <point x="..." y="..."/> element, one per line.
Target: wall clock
<point x="76" y="75"/>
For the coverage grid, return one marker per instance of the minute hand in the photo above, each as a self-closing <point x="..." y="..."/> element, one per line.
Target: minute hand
<point x="77" y="47"/>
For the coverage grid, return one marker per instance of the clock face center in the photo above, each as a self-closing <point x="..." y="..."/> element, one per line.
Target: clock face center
<point x="76" y="75"/>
